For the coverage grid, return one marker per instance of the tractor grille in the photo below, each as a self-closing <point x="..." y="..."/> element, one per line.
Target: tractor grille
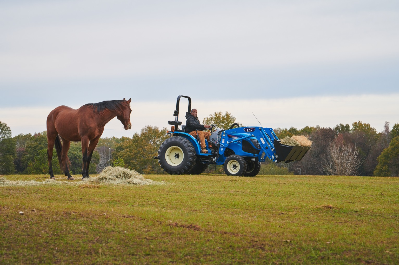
<point x="255" y="143"/>
<point x="249" y="148"/>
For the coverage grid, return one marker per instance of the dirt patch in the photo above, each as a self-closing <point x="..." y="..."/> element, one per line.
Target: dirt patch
<point x="328" y="206"/>
<point x="188" y="226"/>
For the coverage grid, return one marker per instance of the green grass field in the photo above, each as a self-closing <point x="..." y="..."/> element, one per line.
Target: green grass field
<point x="204" y="219"/>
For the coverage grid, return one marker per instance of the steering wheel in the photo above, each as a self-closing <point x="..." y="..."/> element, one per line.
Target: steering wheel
<point x="234" y="124"/>
<point x="212" y="126"/>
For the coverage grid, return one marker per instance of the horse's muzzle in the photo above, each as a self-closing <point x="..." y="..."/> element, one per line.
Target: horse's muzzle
<point x="128" y="126"/>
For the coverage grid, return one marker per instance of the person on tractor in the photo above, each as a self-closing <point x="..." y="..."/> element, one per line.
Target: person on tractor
<point x="194" y="128"/>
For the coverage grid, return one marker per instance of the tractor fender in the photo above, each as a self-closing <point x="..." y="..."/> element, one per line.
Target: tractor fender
<point x="189" y="137"/>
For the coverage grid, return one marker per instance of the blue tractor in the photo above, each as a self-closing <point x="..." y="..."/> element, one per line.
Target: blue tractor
<point x="239" y="149"/>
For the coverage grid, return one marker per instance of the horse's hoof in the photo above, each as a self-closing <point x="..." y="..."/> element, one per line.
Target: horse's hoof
<point x="70" y="178"/>
<point x="52" y="177"/>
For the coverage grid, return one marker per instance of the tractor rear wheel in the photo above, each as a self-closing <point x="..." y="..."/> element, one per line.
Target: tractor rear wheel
<point x="176" y="155"/>
<point x="253" y="168"/>
<point x="235" y="165"/>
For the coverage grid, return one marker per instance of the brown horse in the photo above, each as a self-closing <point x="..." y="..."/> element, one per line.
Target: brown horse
<point x="85" y="124"/>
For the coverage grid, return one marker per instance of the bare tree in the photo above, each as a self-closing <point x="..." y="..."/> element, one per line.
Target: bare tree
<point x="343" y="159"/>
<point x="311" y="162"/>
<point x="105" y="153"/>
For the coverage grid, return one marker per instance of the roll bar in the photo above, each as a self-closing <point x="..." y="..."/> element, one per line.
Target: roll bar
<point x="176" y="122"/>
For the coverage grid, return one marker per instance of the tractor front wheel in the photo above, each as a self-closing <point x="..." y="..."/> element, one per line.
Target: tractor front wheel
<point x="253" y="168"/>
<point x="235" y="165"/>
<point x="176" y="155"/>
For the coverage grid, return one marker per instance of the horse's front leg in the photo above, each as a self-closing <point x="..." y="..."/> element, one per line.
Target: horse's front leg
<point x="92" y="146"/>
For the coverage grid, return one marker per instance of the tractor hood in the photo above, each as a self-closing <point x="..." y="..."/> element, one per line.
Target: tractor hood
<point x="238" y="136"/>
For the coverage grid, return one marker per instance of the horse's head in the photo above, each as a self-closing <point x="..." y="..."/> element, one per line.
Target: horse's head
<point x="124" y="115"/>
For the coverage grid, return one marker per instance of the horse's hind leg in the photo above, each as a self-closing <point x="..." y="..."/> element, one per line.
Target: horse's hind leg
<point x="64" y="158"/>
<point x="50" y="146"/>
<point x="51" y="138"/>
<point x="85" y="153"/>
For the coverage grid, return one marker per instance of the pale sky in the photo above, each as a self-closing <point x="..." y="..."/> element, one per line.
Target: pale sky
<point x="290" y="63"/>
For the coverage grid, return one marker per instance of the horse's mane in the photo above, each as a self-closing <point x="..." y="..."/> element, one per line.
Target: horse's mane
<point x="109" y="104"/>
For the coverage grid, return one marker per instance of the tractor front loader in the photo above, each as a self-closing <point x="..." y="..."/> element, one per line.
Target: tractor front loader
<point x="239" y="149"/>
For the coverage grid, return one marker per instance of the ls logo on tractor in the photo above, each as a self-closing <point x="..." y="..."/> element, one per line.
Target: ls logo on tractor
<point x="249" y="129"/>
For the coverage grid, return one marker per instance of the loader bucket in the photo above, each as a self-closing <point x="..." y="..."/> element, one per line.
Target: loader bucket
<point x="289" y="153"/>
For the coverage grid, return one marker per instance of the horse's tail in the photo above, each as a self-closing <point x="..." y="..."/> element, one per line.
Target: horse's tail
<point x="58" y="147"/>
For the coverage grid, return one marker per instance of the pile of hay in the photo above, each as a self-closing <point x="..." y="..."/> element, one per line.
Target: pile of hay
<point x="120" y="175"/>
<point x="289" y="141"/>
<point x="296" y="140"/>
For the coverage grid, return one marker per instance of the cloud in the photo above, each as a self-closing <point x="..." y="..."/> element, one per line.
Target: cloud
<point x="75" y="52"/>
<point x="86" y="39"/>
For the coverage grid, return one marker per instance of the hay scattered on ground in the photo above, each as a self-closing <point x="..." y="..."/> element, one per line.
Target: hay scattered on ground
<point x="5" y="182"/>
<point x="296" y="140"/>
<point x="120" y="175"/>
<point x="110" y="175"/>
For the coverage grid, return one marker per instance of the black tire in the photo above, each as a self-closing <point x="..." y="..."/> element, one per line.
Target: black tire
<point x="235" y="165"/>
<point x="176" y="155"/>
<point x="234" y="125"/>
<point x="253" y="168"/>
<point x="198" y="168"/>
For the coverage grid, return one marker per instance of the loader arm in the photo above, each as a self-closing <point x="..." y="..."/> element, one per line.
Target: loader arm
<point x="269" y="143"/>
<point x="281" y="152"/>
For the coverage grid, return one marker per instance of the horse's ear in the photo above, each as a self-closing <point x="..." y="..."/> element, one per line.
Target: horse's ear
<point x="130" y="100"/>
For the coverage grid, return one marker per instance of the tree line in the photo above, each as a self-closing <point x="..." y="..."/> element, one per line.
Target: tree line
<point x="348" y="150"/>
<point x="356" y="149"/>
